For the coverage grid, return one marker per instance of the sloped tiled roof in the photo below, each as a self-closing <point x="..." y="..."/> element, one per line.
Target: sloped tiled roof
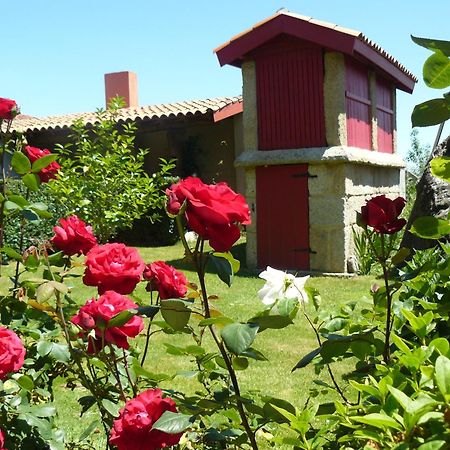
<point x="161" y="111"/>
<point x="232" y="56"/>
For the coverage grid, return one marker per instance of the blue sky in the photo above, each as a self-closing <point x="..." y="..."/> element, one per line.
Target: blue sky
<point x="54" y="53"/>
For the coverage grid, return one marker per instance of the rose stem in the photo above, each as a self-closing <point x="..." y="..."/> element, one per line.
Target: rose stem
<point x="84" y="378"/>
<point x="234" y="381"/>
<point x="386" y="351"/>
<point x="125" y="362"/>
<point x="22" y="232"/>
<point x="147" y="340"/>
<point x="116" y="372"/>
<point x="330" y="372"/>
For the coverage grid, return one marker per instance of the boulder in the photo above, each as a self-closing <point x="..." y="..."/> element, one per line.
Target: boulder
<point x="432" y="199"/>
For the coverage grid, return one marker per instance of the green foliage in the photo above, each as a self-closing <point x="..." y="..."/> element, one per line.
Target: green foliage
<point x="38" y="231"/>
<point x="417" y="155"/>
<point x="436" y="74"/>
<point x="102" y="177"/>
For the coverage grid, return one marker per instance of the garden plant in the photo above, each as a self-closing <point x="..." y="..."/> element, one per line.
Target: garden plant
<point x="396" y="390"/>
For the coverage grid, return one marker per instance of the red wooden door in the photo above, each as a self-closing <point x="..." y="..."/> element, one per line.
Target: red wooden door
<point x="283" y="216"/>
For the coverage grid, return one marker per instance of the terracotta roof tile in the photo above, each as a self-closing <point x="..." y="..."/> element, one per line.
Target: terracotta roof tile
<point x="357" y="34"/>
<point x="25" y="123"/>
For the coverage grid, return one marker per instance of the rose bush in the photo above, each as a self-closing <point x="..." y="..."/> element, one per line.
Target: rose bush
<point x="12" y="352"/>
<point x="8" y="109"/>
<point x="133" y="429"/>
<point x="73" y="236"/>
<point x="382" y="214"/>
<point x="169" y="282"/>
<point x="213" y="211"/>
<point x="113" y="267"/>
<point x="47" y="173"/>
<point x="96" y="314"/>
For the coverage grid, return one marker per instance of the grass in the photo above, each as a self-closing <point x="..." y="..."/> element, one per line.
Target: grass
<point x="283" y="348"/>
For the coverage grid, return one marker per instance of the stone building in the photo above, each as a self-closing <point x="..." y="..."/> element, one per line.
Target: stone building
<point x="319" y="131"/>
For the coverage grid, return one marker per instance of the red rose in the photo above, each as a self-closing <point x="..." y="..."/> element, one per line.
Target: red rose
<point x="12" y="352"/>
<point x="113" y="267"/>
<point x="213" y="211"/>
<point x="8" y="109"/>
<point x="73" y="236"/>
<point x="2" y="440"/>
<point x="169" y="282"/>
<point x="47" y="173"/>
<point x="96" y="314"/>
<point x="133" y="429"/>
<point x="381" y="213"/>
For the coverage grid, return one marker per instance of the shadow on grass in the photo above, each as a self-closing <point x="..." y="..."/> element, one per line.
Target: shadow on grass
<point x="238" y="251"/>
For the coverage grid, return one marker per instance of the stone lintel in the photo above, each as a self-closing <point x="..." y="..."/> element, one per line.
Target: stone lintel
<point x="318" y="155"/>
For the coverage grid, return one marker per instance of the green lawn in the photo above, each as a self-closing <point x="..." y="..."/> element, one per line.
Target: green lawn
<point x="283" y="348"/>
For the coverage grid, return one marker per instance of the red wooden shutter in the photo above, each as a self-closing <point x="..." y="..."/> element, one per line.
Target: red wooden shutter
<point x="283" y="216"/>
<point x="290" y="97"/>
<point x="385" y="117"/>
<point x="358" y="105"/>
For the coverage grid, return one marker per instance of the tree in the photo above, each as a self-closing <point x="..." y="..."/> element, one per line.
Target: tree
<point x="418" y="154"/>
<point x="102" y="177"/>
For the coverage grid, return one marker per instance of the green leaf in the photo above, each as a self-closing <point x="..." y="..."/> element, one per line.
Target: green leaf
<point x="172" y="423"/>
<point x="41" y="209"/>
<point x="436" y="71"/>
<point x="60" y="287"/>
<point x="287" y="306"/>
<point x="112" y="408"/>
<point x="31" y="181"/>
<point x="442" y="375"/>
<point x="238" y="337"/>
<point x="307" y="359"/>
<point x="20" y="163"/>
<point x="235" y="263"/>
<point x="32" y="262"/>
<point x="60" y="352"/>
<point x="148" y="311"/>
<point x="175" y="313"/>
<point x="240" y="363"/>
<point x="441" y="345"/>
<point x="44" y="292"/>
<point x="8" y="251"/>
<point x="30" y="215"/>
<point x="89" y="430"/>
<point x="440" y="168"/>
<point x="430" y="227"/>
<point x="57" y="259"/>
<point x="273" y="322"/>
<point x="26" y="382"/>
<point x="18" y="200"/>
<point x="44" y="347"/>
<point x="432" y="445"/>
<point x="121" y="318"/>
<point x="43" y="162"/>
<point x="11" y="206"/>
<point x="400" y="256"/>
<point x="273" y="410"/>
<point x="221" y="320"/>
<point x="433" y="44"/>
<point x="43" y="411"/>
<point x="405" y="402"/>
<point x="224" y="269"/>
<point x="431" y="112"/>
<point x="378" y="420"/>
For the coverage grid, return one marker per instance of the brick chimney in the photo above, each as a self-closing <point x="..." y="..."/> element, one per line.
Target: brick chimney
<point x="123" y="84"/>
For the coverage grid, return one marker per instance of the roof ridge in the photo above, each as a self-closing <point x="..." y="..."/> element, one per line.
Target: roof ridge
<point x="158" y="110"/>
